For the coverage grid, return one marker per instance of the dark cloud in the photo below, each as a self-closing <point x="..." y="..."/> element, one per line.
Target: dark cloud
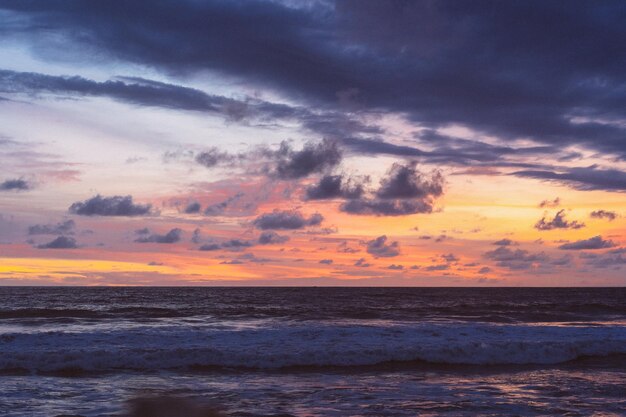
<point x="450" y="258"/>
<point x="61" y="242"/>
<point x="603" y="214"/>
<point x="335" y="186"/>
<point x="192" y="208"/>
<point x="361" y="262"/>
<point x="209" y="247"/>
<point x="326" y="261"/>
<point x="314" y="157"/>
<point x="611" y="259"/>
<point x="558" y="222"/>
<point x="236" y="244"/>
<point x="213" y="157"/>
<point x="404" y="190"/>
<point x="126" y="89"/>
<point x="386" y="208"/>
<point x="218" y="209"/>
<point x="286" y="220"/>
<point x="503" y="242"/>
<point x="63" y="228"/>
<point x="484" y="270"/>
<point x="509" y="69"/>
<point x="518" y="259"/>
<point x="272" y="238"/>
<point x="595" y="242"/>
<point x="172" y="236"/>
<point x="550" y="203"/>
<point x="395" y="267"/>
<point x="17" y="184"/>
<point x="439" y="267"/>
<point x="406" y="182"/>
<point x="380" y="249"/>
<point x="109" y="206"/>
<point x="585" y="179"/>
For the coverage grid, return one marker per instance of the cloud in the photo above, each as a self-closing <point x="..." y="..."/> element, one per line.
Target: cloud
<point x="385" y="208"/>
<point x="213" y="157"/>
<point x="406" y="182"/>
<point x="361" y="262"/>
<point x="209" y="247"/>
<point x="518" y="259"/>
<point x="611" y="259"/>
<point x="334" y="186"/>
<point x="395" y="267"/>
<point x="218" y="209"/>
<point x="550" y="203"/>
<point x="404" y="190"/>
<point x="272" y="238"/>
<point x="503" y="242"/>
<point x="603" y="214"/>
<point x="520" y="79"/>
<point x="17" y="184"/>
<point x="439" y="267"/>
<point x="109" y="206"/>
<point x="193" y="207"/>
<point x="61" y="242"/>
<point x="236" y="244"/>
<point x="63" y="228"/>
<point x="380" y="249"/>
<point x="484" y="270"/>
<point x="558" y="222"/>
<point x="326" y="261"/>
<point x="344" y="248"/>
<point x="595" y="242"/>
<point x="172" y="236"/>
<point x="286" y="220"/>
<point x="131" y="90"/>
<point x="584" y="179"/>
<point x="450" y="258"/>
<point x="314" y="157"/>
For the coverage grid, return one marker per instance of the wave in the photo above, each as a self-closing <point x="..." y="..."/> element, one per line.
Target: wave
<point x="284" y="345"/>
<point x="77" y="313"/>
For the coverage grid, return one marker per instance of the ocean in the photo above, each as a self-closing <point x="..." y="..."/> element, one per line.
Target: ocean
<point x="315" y="351"/>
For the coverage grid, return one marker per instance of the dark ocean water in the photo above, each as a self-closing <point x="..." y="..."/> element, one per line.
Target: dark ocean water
<point x="315" y="351"/>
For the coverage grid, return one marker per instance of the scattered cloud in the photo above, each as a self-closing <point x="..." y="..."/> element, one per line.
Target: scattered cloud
<point x="404" y="190"/>
<point x="518" y="259"/>
<point x="286" y="220"/>
<point x="109" y="206"/>
<point x="333" y="187"/>
<point x="61" y="242"/>
<point x="550" y="203"/>
<point x="272" y="238"/>
<point x="558" y="222"/>
<point x="595" y="242"/>
<point x="314" y="157"/>
<point x="17" y="184"/>
<point x="192" y="208"/>
<point x="603" y="214"/>
<point x="172" y="236"/>
<point x="380" y="249"/>
<point x="63" y="228"/>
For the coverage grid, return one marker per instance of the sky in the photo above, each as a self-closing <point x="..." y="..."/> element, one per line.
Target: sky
<point x="356" y="143"/>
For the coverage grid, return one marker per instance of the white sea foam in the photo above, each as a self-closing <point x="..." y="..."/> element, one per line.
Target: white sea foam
<point x="305" y="344"/>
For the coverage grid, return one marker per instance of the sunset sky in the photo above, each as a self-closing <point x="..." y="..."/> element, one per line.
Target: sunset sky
<point x="284" y="142"/>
